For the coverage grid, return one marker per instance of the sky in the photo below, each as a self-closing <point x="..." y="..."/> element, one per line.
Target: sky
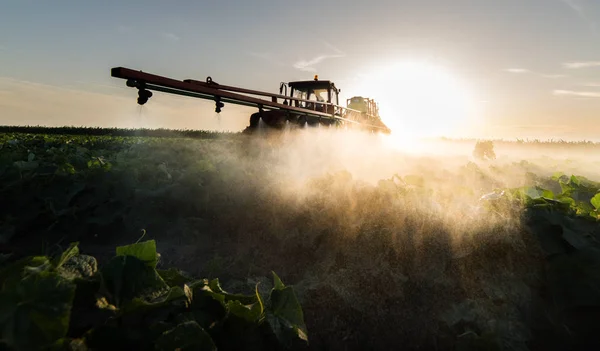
<point x="476" y="68"/>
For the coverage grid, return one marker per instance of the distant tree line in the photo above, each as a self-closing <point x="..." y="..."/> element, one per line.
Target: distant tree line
<point x="98" y="131"/>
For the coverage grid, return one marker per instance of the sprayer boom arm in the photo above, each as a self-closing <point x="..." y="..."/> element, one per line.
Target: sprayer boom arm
<point x="210" y="90"/>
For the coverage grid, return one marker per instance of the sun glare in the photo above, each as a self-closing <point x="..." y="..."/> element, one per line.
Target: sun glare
<point x="418" y="100"/>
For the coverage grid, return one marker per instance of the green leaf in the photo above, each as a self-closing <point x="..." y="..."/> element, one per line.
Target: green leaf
<point x="285" y="315"/>
<point x="13" y="273"/>
<point x="278" y="284"/>
<point x="65" y="168"/>
<point x="176" y="296"/>
<point x="174" y="276"/>
<point x="533" y="192"/>
<point x="186" y="336"/>
<point x="248" y="313"/>
<point x="566" y="200"/>
<point x="35" y="312"/>
<point x="127" y="277"/>
<point x="557" y="176"/>
<point x="144" y="251"/>
<point x="595" y="201"/>
<point x="208" y="307"/>
<point x="71" y="251"/>
<point x="548" y="194"/>
<point x="286" y="308"/>
<point x="245" y="299"/>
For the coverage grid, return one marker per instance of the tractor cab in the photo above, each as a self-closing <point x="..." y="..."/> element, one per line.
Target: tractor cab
<point x="319" y="91"/>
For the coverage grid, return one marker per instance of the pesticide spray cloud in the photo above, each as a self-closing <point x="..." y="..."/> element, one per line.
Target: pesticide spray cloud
<point x="397" y="235"/>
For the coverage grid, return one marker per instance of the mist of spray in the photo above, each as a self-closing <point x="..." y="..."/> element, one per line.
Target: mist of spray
<point x="391" y="231"/>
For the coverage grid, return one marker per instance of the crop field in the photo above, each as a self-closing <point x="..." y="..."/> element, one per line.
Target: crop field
<point x="314" y="240"/>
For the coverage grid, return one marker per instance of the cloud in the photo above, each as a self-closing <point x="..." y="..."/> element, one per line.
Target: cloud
<point x="576" y="6"/>
<point x="543" y="75"/>
<point x="170" y="36"/>
<point x="580" y="94"/>
<point x="334" y="48"/>
<point x="307" y="65"/>
<point x="583" y="64"/>
<point x="517" y="70"/>
<point x="592" y="85"/>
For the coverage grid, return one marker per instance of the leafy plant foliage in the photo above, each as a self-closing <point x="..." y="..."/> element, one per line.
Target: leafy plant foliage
<point x="65" y="302"/>
<point x="373" y="263"/>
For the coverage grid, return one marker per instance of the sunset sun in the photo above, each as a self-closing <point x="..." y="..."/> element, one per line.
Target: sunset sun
<point x="418" y="99"/>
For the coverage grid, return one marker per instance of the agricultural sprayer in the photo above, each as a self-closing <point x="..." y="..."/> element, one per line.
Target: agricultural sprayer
<point x="300" y="103"/>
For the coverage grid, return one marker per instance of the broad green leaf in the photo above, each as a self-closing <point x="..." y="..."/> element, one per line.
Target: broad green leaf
<point x="215" y="286"/>
<point x="127" y="277"/>
<point x="595" y="201"/>
<point x="186" y="336"/>
<point x="565" y="200"/>
<point x="35" y="312"/>
<point x="175" y="296"/>
<point x="174" y="276"/>
<point x="144" y="251"/>
<point x="557" y="176"/>
<point x="285" y="306"/>
<point x="207" y="306"/>
<point x="533" y="192"/>
<point x="285" y="314"/>
<point x="248" y="313"/>
<point x="548" y="194"/>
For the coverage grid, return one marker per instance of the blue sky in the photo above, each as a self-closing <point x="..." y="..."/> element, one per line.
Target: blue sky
<point x="533" y="65"/>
